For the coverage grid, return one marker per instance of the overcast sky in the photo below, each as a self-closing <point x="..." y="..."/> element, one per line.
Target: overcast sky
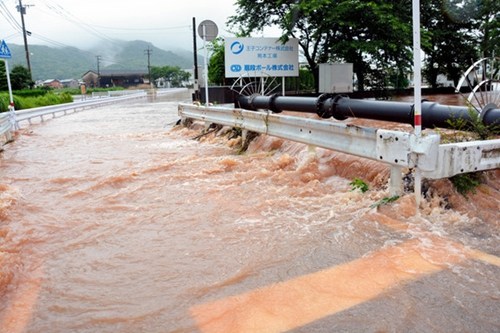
<point x="84" y="23"/>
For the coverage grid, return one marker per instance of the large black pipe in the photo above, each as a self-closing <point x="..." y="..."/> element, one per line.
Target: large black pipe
<point x="341" y="107"/>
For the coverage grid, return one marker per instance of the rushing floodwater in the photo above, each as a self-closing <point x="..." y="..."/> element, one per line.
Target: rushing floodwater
<point x="114" y="220"/>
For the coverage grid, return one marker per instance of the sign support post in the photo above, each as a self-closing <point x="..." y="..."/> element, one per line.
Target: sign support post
<point x="205" y="69"/>
<point x="9" y="85"/>
<point x="417" y="82"/>
<point x="5" y="54"/>
<point x="208" y="31"/>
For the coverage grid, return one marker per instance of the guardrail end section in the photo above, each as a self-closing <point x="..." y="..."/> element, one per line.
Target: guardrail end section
<point x="393" y="147"/>
<point x="464" y="157"/>
<point x="425" y="151"/>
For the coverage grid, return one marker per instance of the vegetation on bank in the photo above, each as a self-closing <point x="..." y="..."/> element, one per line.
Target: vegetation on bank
<point x="25" y="97"/>
<point x="89" y="91"/>
<point x="463" y="130"/>
<point x="33" y="99"/>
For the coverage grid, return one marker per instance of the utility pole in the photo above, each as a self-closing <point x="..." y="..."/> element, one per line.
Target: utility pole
<point x="148" y="52"/>
<point x="195" y="72"/>
<point x="22" y="10"/>
<point x="98" y="70"/>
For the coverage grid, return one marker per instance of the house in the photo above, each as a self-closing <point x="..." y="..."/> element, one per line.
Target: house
<point x="91" y="79"/>
<point x="115" y="78"/>
<point x="70" y="83"/>
<point x="52" y="83"/>
<point x="122" y="78"/>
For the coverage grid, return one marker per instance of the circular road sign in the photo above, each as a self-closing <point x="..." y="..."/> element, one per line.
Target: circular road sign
<point x="208" y="30"/>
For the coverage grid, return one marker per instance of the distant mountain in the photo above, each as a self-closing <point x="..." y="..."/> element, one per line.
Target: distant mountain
<point x="71" y="63"/>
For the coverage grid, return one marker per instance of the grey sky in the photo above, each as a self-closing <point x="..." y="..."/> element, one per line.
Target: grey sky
<point x="84" y="23"/>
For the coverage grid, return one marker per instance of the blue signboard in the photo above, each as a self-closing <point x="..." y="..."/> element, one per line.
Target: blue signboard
<point x="261" y="56"/>
<point x="4" y="51"/>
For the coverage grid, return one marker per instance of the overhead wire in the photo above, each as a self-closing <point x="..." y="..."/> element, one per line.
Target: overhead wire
<point x="63" y="13"/>
<point x="56" y="9"/>
<point x="9" y="17"/>
<point x="143" y="29"/>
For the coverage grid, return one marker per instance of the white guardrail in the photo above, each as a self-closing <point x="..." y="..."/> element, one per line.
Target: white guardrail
<point x="398" y="149"/>
<point x="9" y="121"/>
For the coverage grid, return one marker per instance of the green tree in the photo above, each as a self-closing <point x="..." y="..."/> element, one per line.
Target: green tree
<point x="3" y="77"/>
<point x="488" y="19"/>
<point x="451" y="42"/>
<point x="373" y="35"/>
<point x="173" y="74"/>
<point x="20" y="78"/>
<point x="216" y="65"/>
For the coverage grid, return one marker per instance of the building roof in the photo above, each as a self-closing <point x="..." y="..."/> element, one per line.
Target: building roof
<point x="118" y="72"/>
<point x="121" y="72"/>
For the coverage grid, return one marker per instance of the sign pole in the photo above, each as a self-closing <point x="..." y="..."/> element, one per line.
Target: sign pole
<point x="12" y="114"/>
<point x="208" y="32"/>
<point x="9" y="85"/>
<point x="206" y="62"/>
<point x="417" y="83"/>
<point x="417" y="68"/>
<point x="6" y="54"/>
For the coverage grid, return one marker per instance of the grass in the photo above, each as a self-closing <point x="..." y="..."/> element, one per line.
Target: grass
<point x="359" y="184"/>
<point x="22" y="103"/>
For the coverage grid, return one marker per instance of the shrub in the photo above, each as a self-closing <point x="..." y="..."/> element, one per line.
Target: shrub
<point x="30" y="92"/>
<point x="466" y="182"/>
<point x="22" y="103"/>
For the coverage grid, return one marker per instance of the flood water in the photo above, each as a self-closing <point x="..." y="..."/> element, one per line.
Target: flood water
<point x="115" y="220"/>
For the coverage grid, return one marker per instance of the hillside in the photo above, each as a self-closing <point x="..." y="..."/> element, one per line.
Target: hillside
<point x="70" y="62"/>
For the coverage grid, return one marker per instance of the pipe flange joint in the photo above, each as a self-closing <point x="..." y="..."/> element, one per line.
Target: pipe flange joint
<point x="320" y="106"/>
<point x="335" y="101"/>
<point x="272" y="103"/>
<point x="487" y="108"/>
<point x="250" y="101"/>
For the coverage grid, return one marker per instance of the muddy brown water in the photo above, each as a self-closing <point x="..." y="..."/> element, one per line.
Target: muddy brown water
<point x="115" y="220"/>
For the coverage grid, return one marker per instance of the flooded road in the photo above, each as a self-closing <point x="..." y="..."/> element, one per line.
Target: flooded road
<point x="115" y="220"/>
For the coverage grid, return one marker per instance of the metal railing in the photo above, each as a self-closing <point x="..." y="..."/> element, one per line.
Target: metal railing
<point x="6" y="124"/>
<point x="397" y="149"/>
<point x="54" y="110"/>
<point x="10" y="121"/>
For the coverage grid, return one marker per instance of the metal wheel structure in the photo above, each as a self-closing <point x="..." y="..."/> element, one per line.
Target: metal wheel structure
<point x="483" y="80"/>
<point x="250" y="85"/>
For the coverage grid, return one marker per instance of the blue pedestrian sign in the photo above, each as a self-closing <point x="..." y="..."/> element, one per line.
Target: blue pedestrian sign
<point x="5" y="51"/>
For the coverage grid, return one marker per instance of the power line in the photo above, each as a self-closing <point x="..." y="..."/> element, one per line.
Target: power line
<point x="142" y="29"/>
<point x="48" y="40"/>
<point x="63" y="13"/>
<point x="9" y="18"/>
<point x="12" y="35"/>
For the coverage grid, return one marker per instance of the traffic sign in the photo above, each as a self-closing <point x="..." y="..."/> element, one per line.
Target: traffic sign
<point x="4" y="51"/>
<point x="207" y="30"/>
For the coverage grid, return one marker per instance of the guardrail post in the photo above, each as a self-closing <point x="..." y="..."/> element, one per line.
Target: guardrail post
<point x="244" y="134"/>
<point x="8" y="136"/>
<point x="396" y="181"/>
<point x="12" y="118"/>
